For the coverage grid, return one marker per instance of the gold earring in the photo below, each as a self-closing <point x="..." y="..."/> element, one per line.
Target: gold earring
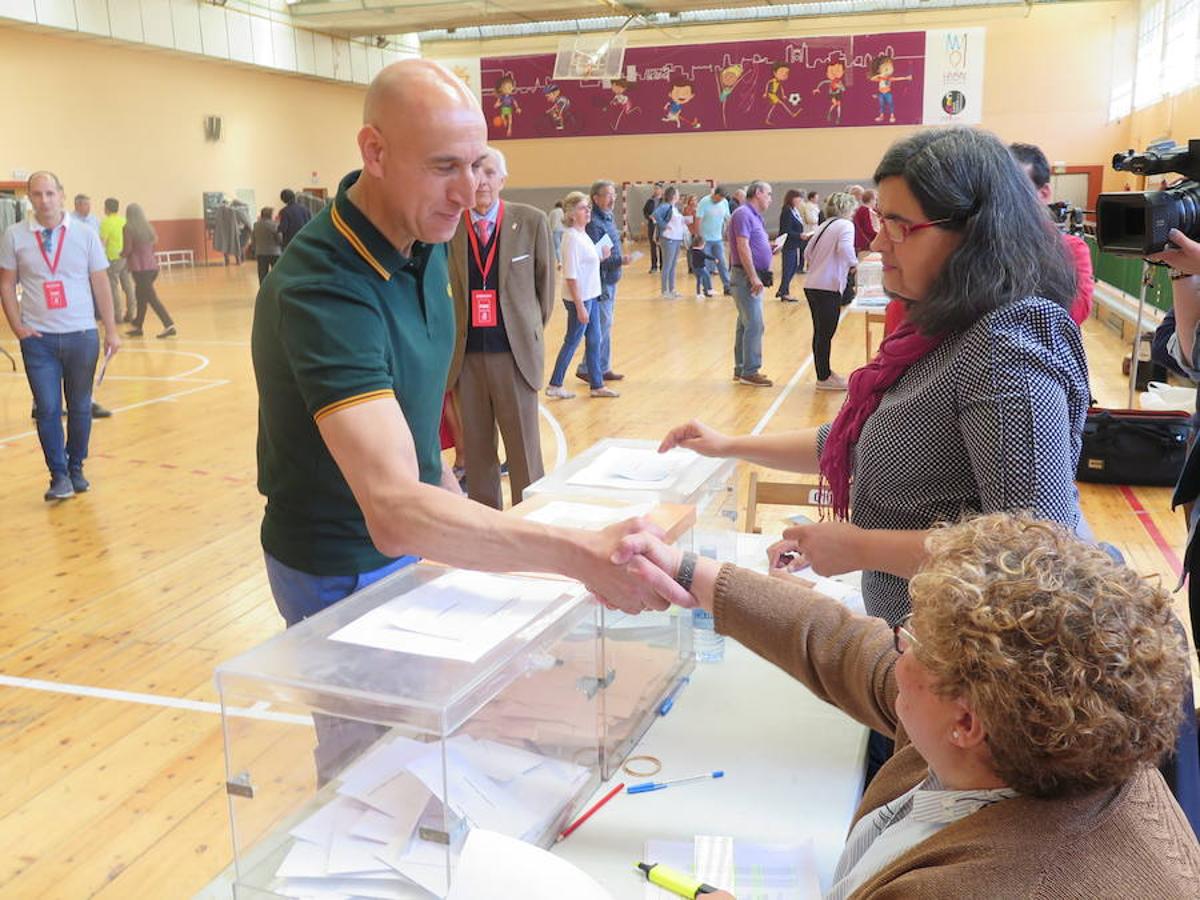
<point x="955" y="734"/>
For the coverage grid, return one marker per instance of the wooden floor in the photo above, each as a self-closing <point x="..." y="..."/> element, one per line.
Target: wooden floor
<point x="143" y="585"/>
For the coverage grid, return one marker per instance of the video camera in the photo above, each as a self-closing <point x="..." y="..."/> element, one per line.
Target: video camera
<point x="1133" y="224"/>
<point x="1068" y="218"/>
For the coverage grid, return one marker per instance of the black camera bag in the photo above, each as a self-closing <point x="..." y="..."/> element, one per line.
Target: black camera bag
<point x="1133" y="446"/>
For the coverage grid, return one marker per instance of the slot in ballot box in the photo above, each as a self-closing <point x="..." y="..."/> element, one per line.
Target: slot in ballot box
<point x="364" y="743"/>
<point x="633" y="472"/>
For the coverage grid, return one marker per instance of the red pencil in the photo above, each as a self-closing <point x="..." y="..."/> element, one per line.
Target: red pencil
<point x="587" y="815"/>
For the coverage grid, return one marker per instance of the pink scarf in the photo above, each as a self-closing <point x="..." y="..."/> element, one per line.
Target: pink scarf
<point x="898" y="351"/>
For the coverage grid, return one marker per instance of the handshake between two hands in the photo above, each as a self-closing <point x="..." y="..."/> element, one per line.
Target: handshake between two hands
<point x="640" y="567"/>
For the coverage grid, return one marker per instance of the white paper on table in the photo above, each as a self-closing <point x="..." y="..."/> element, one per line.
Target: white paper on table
<point x="493" y="865"/>
<point x="588" y="516"/>
<point x="461" y="615"/>
<point x="422" y="862"/>
<point x="712" y="861"/>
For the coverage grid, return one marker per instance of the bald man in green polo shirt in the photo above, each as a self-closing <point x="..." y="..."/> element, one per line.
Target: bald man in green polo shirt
<point x="353" y="333"/>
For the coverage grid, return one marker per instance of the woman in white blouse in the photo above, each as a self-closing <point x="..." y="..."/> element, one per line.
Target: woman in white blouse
<point x="830" y="257"/>
<point x="581" y="283"/>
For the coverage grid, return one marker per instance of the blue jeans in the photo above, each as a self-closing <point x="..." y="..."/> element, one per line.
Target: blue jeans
<point x="717" y="249"/>
<point x="556" y="237"/>
<point x="299" y="595"/>
<point x="56" y="364"/>
<point x="577" y="331"/>
<point x="670" y="256"/>
<point x="703" y="280"/>
<point x="747" y="338"/>
<point x="887" y="105"/>
<point x="604" y="308"/>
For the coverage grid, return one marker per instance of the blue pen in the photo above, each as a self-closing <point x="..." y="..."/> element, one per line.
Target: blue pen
<point x="647" y="786"/>
<point x="669" y="700"/>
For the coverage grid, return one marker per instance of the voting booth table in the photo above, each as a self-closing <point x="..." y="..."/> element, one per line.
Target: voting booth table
<point x="365" y="744"/>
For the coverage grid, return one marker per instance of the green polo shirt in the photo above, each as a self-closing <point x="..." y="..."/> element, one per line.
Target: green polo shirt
<point x="342" y="319"/>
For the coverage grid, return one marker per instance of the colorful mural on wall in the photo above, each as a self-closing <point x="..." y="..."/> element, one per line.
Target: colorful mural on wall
<point x="821" y="82"/>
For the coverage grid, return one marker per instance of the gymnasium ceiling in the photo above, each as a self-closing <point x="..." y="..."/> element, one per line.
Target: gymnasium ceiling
<point x="359" y="18"/>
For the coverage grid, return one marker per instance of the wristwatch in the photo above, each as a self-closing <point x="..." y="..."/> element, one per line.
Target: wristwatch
<point x="687" y="570"/>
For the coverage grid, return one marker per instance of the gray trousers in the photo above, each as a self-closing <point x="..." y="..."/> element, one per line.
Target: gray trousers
<point x="491" y="393"/>
<point x="118" y="270"/>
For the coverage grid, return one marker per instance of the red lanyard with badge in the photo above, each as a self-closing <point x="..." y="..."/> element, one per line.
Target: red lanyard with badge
<point x="54" y="292"/>
<point x="483" y="303"/>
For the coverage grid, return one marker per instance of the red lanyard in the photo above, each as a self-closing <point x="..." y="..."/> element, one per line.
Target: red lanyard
<point x="57" y="253"/>
<point x="474" y="239"/>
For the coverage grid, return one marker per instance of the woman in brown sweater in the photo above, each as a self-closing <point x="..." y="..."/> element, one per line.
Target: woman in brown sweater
<point x="1031" y="693"/>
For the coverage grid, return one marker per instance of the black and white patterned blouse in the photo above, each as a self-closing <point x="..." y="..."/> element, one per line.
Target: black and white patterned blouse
<point x="991" y="420"/>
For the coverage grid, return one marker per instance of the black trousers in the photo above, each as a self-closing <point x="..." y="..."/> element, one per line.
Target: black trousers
<point x="655" y="253"/>
<point x="143" y="283"/>
<point x="825" y="307"/>
<point x="264" y="266"/>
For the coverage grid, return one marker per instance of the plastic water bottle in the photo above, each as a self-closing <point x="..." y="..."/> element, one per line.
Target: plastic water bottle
<point x="708" y="646"/>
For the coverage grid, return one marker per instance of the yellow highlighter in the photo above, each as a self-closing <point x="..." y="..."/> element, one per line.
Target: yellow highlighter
<point x="675" y="881"/>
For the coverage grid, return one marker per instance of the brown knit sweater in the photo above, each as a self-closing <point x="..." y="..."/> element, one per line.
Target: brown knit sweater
<point x="1131" y="841"/>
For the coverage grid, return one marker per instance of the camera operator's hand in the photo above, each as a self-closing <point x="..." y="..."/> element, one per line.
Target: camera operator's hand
<point x="1186" y="258"/>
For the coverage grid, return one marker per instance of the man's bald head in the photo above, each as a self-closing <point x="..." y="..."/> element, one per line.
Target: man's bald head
<point x="412" y="87"/>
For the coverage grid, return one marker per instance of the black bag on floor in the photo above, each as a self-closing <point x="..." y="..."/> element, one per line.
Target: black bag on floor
<point x="1133" y="446"/>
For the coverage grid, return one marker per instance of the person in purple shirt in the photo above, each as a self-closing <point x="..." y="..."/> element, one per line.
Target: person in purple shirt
<point x="751" y="258"/>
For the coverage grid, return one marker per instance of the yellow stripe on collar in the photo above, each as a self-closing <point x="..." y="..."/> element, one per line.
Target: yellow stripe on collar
<point x="356" y="242"/>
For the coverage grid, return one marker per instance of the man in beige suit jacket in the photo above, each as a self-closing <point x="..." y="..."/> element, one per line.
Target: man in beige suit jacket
<point x="502" y="275"/>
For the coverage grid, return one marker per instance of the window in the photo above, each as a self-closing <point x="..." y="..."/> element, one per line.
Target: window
<point x="1167" y="59"/>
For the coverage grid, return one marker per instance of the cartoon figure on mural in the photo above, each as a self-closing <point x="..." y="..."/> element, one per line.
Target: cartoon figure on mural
<point x="559" y="109"/>
<point x="621" y="102"/>
<point x="728" y="77"/>
<point x="883" y="73"/>
<point x="682" y="93"/>
<point x="506" y="103"/>
<point x="835" y="77"/>
<point x="774" y="92"/>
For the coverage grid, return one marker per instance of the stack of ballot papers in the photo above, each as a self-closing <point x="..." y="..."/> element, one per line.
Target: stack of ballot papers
<point x="366" y="842"/>
<point x="588" y="516"/>
<point x="643" y="469"/>
<point x="460" y="615"/>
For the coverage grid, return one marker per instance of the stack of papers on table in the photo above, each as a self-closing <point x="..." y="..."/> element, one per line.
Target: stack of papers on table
<point x="636" y="469"/>
<point x="367" y="843"/>
<point x="461" y="615"/>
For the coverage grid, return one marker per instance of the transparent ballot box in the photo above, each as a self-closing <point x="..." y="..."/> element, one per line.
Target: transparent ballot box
<point x="363" y="744"/>
<point x="633" y="473"/>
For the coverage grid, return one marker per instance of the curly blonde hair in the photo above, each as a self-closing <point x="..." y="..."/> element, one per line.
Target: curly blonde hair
<point x="1075" y="665"/>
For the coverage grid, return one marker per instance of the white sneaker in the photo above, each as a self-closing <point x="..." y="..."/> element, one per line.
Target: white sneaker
<point x="604" y="392"/>
<point x="558" y="392"/>
<point x="832" y="383"/>
<point x="699" y="296"/>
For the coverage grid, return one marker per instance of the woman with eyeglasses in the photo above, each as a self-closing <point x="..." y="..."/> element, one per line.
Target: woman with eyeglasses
<point x="1031" y="692"/>
<point x="975" y="404"/>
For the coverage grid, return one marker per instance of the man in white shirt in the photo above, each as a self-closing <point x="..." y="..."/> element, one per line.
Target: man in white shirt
<point x="83" y="212"/>
<point x="61" y="267"/>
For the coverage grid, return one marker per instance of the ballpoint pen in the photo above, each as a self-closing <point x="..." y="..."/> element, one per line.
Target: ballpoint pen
<point x="669" y="700"/>
<point x="647" y="786"/>
<point x="587" y="815"/>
